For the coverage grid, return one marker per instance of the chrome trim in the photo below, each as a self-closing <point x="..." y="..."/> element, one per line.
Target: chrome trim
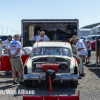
<point x="59" y="77"/>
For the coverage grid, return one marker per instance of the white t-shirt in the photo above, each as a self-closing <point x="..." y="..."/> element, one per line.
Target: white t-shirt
<point x="45" y="38"/>
<point x="87" y="45"/>
<point x="13" y="46"/>
<point x="79" y="45"/>
<point x="6" y="42"/>
<point x="35" y="37"/>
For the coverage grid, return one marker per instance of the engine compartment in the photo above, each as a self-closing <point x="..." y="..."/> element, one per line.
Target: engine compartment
<point x="57" y="64"/>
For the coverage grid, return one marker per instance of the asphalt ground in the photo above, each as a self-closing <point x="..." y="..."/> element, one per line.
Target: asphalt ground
<point x="89" y="85"/>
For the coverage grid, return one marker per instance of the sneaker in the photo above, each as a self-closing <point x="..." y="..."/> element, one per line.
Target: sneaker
<point x="86" y="62"/>
<point x="21" y="82"/>
<point x="83" y="74"/>
<point x="15" y="82"/>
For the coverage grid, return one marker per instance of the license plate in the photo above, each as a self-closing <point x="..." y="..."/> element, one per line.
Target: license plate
<point x="39" y="65"/>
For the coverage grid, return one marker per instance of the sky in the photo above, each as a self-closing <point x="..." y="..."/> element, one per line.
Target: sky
<point x="13" y="11"/>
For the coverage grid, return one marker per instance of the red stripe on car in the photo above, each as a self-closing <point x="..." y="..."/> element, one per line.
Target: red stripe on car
<point x="27" y="60"/>
<point x="37" y="44"/>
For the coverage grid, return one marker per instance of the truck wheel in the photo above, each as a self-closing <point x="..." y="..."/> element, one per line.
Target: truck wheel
<point x="28" y="83"/>
<point x="74" y="83"/>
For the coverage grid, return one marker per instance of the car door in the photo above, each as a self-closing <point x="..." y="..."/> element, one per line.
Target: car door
<point x="79" y="60"/>
<point x="5" y="64"/>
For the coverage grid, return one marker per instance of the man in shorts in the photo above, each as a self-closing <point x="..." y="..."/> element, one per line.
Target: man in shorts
<point x="81" y="48"/>
<point x="14" y="53"/>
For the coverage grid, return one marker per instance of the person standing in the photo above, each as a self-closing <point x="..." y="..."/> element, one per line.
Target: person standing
<point x="1" y="46"/>
<point x="7" y="42"/>
<point x="21" y="37"/>
<point x="81" y="48"/>
<point x="42" y="37"/>
<point x="34" y="39"/>
<point x="85" y="43"/>
<point x="98" y="49"/>
<point x="88" y="46"/>
<point x="14" y="52"/>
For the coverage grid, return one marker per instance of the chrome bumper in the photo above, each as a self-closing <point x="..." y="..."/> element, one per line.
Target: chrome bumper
<point x="59" y="77"/>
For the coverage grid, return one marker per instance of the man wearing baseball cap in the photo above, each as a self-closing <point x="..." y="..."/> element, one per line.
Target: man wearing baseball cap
<point x="81" y="47"/>
<point x="34" y="39"/>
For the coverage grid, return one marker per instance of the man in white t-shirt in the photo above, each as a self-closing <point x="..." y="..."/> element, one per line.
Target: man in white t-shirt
<point x="80" y="46"/>
<point x="42" y="37"/>
<point x="14" y="52"/>
<point x="34" y="39"/>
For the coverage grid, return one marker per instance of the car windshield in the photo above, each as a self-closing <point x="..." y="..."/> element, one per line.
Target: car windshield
<point x="60" y="51"/>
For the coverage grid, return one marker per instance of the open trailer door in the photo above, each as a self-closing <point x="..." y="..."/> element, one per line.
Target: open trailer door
<point x="79" y="60"/>
<point x="5" y="64"/>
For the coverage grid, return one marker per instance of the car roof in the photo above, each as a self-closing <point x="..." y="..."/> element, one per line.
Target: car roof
<point x="52" y="44"/>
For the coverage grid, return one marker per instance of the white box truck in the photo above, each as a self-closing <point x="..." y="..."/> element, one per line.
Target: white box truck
<point x="55" y="29"/>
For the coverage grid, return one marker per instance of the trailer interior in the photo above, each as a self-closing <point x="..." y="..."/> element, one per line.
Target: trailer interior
<point x="55" y="31"/>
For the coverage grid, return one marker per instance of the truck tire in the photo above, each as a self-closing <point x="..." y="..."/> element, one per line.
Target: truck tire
<point x="28" y="83"/>
<point x="74" y="83"/>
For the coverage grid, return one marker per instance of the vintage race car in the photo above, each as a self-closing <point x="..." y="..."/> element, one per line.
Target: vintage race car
<point x="55" y="59"/>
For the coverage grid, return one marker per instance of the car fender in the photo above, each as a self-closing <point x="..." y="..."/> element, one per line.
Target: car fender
<point x="72" y="65"/>
<point x="29" y="65"/>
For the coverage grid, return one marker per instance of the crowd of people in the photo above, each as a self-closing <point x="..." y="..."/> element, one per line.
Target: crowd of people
<point x="87" y="47"/>
<point x="13" y="49"/>
<point x="84" y="47"/>
<point x="40" y="36"/>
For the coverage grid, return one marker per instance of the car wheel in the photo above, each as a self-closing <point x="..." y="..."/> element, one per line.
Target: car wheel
<point x="28" y="83"/>
<point x="74" y="83"/>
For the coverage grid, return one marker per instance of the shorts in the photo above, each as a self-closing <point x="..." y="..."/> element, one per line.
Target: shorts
<point x="16" y="64"/>
<point x="98" y="53"/>
<point x="89" y="53"/>
<point x="83" y="57"/>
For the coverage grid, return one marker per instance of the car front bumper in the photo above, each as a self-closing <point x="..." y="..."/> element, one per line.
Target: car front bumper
<point x="59" y="77"/>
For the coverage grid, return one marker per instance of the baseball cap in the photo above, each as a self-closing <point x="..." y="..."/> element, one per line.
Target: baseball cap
<point x="74" y="37"/>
